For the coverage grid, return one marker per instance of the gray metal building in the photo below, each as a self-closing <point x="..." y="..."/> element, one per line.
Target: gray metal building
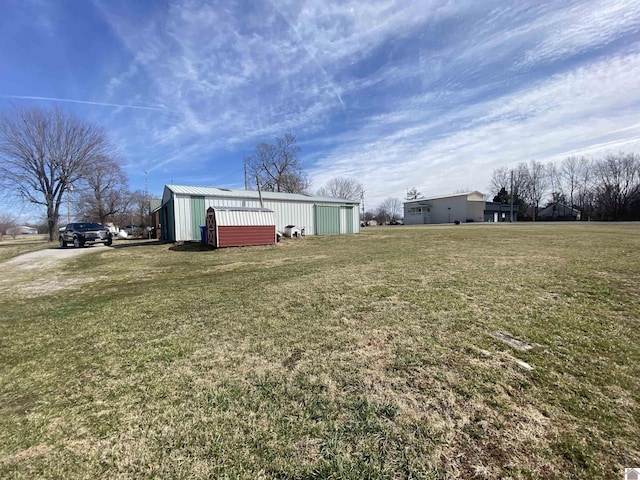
<point x="459" y="207"/>
<point x="184" y="209"/>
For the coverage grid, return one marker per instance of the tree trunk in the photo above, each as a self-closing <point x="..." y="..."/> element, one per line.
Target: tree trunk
<point x="52" y="223"/>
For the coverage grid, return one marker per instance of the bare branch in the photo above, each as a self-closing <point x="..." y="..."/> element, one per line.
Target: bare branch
<point x="44" y="151"/>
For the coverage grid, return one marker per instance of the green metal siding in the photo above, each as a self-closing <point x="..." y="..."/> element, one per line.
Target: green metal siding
<point x="198" y="216"/>
<point x="169" y="224"/>
<point x="327" y="220"/>
<point x="349" y="224"/>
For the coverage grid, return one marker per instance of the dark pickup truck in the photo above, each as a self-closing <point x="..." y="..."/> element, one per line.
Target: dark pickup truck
<point x="81" y="234"/>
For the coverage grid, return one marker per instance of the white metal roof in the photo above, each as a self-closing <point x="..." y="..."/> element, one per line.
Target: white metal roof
<point x="242" y="209"/>
<point x="253" y="194"/>
<point x="465" y="194"/>
<point x="234" y="216"/>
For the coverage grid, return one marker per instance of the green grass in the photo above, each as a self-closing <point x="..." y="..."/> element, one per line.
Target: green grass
<point x="365" y="356"/>
<point x="12" y="247"/>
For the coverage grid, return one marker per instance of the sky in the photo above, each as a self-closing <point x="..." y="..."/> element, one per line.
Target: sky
<point x="396" y="94"/>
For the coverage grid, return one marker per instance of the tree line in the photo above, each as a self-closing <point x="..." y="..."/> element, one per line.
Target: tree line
<point x="606" y="188"/>
<point x="54" y="160"/>
<point x="68" y="165"/>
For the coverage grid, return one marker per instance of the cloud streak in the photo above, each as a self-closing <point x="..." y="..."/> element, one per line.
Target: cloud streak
<point x="429" y="94"/>
<point x="87" y="102"/>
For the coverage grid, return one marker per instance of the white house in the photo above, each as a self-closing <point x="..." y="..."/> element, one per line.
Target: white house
<point x="459" y="207"/>
<point x="24" y="230"/>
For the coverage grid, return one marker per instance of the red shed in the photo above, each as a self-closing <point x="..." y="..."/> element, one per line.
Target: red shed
<point x="240" y="226"/>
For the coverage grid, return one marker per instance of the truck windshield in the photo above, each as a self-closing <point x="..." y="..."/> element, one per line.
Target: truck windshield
<point x="83" y="227"/>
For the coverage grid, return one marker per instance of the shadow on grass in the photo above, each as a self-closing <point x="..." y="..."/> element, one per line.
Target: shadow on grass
<point x="190" y="247"/>
<point x="142" y="243"/>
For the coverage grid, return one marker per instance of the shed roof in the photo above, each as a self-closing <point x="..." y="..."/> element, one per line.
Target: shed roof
<point x="242" y="216"/>
<point x="252" y="194"/>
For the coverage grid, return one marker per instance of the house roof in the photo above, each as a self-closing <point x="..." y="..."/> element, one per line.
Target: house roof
<point x="154" y="204"/>
<point x="559" y="208"/>
<point x="453" y="195"/>
<point x="252" y="194"/>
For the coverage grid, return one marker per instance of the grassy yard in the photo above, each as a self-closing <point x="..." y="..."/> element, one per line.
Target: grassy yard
<point x="12" y="247"/>
<point x="366" y="356"/>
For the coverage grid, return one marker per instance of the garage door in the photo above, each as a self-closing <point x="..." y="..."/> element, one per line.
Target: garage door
<point x="327" y="220"/>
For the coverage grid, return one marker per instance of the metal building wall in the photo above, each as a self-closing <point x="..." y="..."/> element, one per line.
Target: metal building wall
<point x="301" y="214"/>
<point x="475" y="211"/>
<point x="198" y="215"/>
<point x="182" y="218"/>
<point x="287" y="213"/>
<point x="346" y="220"/>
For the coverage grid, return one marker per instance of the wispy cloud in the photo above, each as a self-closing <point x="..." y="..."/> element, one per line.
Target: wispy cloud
<point x="432" y="94"/>
<point x="546" y="121"/>
<point x="86" y="102"/>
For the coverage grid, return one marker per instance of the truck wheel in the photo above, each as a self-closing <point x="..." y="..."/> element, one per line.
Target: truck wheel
<point x="77" y="243"/>
<point x="108" y="242"/>
<point x="63" y="244"/>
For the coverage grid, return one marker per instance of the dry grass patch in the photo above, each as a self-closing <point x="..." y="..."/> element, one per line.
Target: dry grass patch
<point x="365" y="356"/>
<point x="13" y="247"/>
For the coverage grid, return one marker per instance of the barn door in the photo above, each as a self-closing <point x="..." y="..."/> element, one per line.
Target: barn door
<point x="212" y="237"/>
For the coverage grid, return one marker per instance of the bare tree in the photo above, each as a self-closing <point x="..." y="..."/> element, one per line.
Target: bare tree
<point x="617" y="184"/>
<point x="277" y="167"/>
<point x="500" y="180"/>
<point x="103" y="190"/>
<point x="519" y="180"/>
<point x="341" y="187"/>
<point x="413" y="194"/>
<point x="43" y="152"/>
<point x="570" y="173"/>
<point x="536" y="182"/>
<point x="584" y="186"/>
<point x="136" y="210"/>
<point x="554" y="182"/>
<point x="7" y="222"/>
<point x="390" y="209"/>
<point x="369" y="215"/>
<point x="508" y="187"/>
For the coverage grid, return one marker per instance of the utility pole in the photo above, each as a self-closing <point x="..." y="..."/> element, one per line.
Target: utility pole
<point x="363" y="211"/>
<point x="246" y="181"/>
<point x="147" y="203"/>
<point x="511" y="198"/>
<point x="69" y="190"/>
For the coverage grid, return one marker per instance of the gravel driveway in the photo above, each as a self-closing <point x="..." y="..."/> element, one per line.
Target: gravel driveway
<point x="37" y="273"/>
<point x="46" y="258"/>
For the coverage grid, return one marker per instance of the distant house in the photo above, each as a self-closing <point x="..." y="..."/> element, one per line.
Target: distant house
<point x="559" y="211"/>
<point x="459" y="207"/>
<point x="23" y="230"/>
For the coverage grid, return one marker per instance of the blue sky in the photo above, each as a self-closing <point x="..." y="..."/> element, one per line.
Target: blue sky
<point x="431" y="94"/>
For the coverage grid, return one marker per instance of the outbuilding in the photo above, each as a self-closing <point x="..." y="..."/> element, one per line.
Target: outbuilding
<point x="459" y="207"/>
<point x="184" y="210"/>
<point x="240" y="226"/>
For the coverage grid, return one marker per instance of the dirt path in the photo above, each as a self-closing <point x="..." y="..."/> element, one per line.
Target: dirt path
<point x="38" y="273"/>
